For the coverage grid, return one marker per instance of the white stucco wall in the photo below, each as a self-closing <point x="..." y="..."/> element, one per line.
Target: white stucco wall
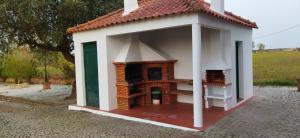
<point x="176" y="43"/>
<point x="134" y="50"/>
<point x="108" y="48"/>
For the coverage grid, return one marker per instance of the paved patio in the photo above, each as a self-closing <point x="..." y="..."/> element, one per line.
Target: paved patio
<point x="274" y="112"/>
<point x="176" y="114"/>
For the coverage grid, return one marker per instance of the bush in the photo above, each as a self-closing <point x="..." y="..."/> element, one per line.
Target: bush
<point x="69" y="71"/>
<point x="22" y="63"/>
<point x="66" y="67"/>
<point x="18" y="64"/>
<point x="52" y="72"/>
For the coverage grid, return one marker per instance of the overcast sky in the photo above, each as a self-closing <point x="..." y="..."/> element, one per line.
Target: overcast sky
<point x="271" y="16"/>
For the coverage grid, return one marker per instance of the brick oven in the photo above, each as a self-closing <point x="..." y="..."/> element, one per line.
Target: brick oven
<point x="137" y="80"/>
<point x="217" y="88"/>
<point x="215" y="77"/>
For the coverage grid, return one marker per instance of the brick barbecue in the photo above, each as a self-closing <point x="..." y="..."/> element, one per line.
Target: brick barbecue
<point x="137" y="92"/>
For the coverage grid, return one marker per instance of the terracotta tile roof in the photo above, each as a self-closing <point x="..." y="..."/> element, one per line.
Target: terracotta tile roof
<point x="149" y="9"/>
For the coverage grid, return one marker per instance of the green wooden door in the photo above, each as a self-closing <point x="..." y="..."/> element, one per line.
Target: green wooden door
<point x="91" y="74"/>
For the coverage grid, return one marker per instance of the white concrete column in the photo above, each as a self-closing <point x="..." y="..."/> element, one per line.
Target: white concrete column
<point x="197" y="79"/>
<point x="79" y="66"/>
<point x="103" y="74"/>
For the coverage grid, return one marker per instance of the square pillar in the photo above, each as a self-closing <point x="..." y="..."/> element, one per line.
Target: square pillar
<point x="197" y="78"/>
<point x="79" y="71"/>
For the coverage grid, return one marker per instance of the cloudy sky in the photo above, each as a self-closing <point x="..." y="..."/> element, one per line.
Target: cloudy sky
<point x="272" y="17"/>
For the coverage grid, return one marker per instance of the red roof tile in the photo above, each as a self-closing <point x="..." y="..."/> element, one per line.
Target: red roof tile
<point x="149" y="9"/>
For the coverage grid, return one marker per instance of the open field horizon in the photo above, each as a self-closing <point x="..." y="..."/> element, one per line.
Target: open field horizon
<point x="276" y="68"/>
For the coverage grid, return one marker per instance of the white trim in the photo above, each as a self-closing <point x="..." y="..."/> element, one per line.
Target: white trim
<point x="103" y="113"/>
<point x="98" y="45"/>
<point x="140" y="26"/>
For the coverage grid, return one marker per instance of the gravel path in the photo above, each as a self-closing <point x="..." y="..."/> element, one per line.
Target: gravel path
<point x="56" y="94"/>
<point x="274" y="112"/>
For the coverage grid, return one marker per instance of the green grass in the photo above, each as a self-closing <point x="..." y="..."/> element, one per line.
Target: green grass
<point x="276" y="68"/>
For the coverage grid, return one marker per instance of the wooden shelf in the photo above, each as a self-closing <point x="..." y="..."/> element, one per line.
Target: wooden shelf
<point x="182" y="92"/>
<point x="146" y="82"/>
<point x="137" y="95"/>
<point x="217" y="84"/>
<point x="145" y="62"/>
<point x="133" y="95"/>
<point x="217" y="96"/>
<point x="130" y="84"/>
<point x="182" y="81"/>
<point x="159" y="81"/>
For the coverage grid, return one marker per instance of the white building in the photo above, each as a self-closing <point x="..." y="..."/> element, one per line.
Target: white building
<point x="165" y="52"/>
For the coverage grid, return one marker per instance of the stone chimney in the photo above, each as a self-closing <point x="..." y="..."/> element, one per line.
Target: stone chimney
<point x="130" y="6"/>
<point x="218" y="6"/>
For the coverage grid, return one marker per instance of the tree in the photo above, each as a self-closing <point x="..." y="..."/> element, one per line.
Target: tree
<point x="18" y="64"/>
<point x="67" y="67"/>
<point x="45" y="58"/>
<point x="5" y="48"/>
<point x="43" y="23"/>
<point x="261" y="46"/>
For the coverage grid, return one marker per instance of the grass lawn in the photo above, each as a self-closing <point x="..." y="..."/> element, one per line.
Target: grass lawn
<point x="276" y="68"/>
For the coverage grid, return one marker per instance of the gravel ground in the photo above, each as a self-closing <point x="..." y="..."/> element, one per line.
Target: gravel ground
<point x="56" y="94"/>
<point x="274" y="112"/>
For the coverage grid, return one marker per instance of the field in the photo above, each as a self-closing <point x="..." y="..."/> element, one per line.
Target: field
<point x="276" y="68"/>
